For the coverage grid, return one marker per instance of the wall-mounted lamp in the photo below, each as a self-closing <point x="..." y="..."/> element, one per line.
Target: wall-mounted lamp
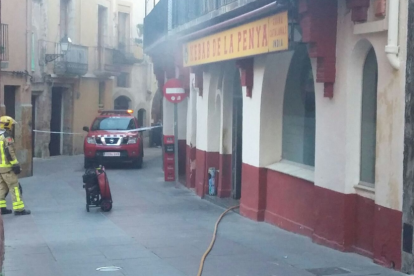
<point x="65" y="43"/>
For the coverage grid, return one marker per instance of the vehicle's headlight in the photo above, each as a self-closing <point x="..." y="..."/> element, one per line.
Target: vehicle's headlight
<point x="91" y="140"/>
<point x="132" y="140"/>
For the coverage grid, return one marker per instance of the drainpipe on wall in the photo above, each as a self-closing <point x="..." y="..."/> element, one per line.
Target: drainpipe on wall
<point x="392" y="48"/>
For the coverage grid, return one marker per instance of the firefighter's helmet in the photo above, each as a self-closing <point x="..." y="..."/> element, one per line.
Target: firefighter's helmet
<point x="7" y="122"/>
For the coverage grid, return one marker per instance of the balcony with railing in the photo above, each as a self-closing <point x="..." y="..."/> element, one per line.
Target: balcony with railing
<point x="184" y="16"/>
<point x="127" y="52"/>
<point x="73" y="62"/>
<point x="185" y="11"/>
<point x="4" y="42"/>
<point x="70" y="60"/>
<point x="104" y="65"/>
<point x="156" y="24"/>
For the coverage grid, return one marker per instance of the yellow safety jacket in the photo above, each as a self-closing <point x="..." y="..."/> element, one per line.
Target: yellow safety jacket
<point x="7" y="153"/>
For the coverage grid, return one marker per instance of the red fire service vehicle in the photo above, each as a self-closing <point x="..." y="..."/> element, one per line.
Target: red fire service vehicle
<point x="113" y="138"/>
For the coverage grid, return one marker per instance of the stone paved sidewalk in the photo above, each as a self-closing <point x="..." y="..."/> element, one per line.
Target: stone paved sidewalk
<point x="154" y="229"/>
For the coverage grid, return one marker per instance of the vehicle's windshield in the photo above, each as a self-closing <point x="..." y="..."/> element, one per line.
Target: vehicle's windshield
<point x="113" y="124"/>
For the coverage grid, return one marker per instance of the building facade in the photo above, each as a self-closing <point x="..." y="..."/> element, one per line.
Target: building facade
<point x="299" y="105"/>
<point x="15" y="88"/>
<point x="71" y="86"/>
<point x="136" y="86"/>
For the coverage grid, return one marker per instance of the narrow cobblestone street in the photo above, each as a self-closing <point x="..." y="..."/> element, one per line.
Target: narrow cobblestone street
<point x="153" y="229"/>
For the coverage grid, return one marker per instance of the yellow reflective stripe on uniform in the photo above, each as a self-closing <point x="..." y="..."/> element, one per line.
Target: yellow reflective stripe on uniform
<point x="19" y="203"/>
<point x="3" y="204"/>
<point x="4" y="163"/>
<point x="2" y="155"/>
<point x="14" y="162"/>
<point x="17" y="193"/>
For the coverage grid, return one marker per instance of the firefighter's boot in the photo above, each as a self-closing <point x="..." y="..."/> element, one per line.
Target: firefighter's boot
<point x="22" y="213"/>
<point x="5" y="211"/>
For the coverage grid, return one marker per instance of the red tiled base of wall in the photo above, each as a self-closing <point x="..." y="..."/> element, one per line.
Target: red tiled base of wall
<point x="224" y="176"/>
<point x="182" y="149"/>
<point x="190" y="167"/>
<point x="346" y="222"/>
<point x="204" y="161"/>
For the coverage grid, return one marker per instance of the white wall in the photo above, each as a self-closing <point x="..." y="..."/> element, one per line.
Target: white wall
<point x="209" y="119"/>
<point x="390" y="107"/>
<point x="226" y="128"/>
<point x="271" y="112"/>
<point x="182" y="119"/>
<point x="251" y="116"/>
<point x="168" y="117"/>
<point x="192" y="114"/>
<point x="202" y="112"/>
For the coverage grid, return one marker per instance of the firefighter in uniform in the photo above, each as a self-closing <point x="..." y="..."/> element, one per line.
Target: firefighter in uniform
<point x="9" y="168"/>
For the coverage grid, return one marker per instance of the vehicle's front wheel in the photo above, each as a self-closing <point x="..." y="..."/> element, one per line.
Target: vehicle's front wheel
<point x="138" y="162"/>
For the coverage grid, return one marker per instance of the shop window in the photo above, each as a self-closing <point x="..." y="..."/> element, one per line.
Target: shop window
<point x="369" y="119"/>
<point x="123" y="80"/>
<point x="299" y="111"/>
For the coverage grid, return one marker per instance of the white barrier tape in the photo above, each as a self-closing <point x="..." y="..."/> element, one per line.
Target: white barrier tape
<point x="133" y="130"/>
<point x="73" y="133"/>
<point x="56" y="132"/>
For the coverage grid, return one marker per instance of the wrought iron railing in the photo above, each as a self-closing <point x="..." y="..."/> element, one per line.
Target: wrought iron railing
<point x="74" y="61"/>
<point x="156" y="23"/>
<point x="75" y="54"/>
<point x="188" y="10"/>
<point x="4" y="42"/>
<point x="165" y="17"/>
<point x="103" y="58"/>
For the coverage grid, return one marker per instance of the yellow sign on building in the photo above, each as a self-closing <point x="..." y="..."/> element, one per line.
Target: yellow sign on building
<point x="266" y="35"/>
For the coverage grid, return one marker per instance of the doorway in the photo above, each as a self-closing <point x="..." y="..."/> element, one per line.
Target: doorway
<point x="237" y="137"/>
<point x="122" y="103"/>
<point x="55" y="145"/>
<point x="10" y="102"/>
<point x="142" y="117"/>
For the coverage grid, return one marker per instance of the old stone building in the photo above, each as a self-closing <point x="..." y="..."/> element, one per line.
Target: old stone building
<point x="136" y="86"/>
<point x="15" y="92"/>
<point x="71" y="85"/>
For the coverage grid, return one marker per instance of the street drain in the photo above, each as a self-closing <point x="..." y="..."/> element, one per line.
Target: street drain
<point x="108" y="268"/>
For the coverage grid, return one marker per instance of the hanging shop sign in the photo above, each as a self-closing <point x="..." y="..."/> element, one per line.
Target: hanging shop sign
<point x="266" y="35"/>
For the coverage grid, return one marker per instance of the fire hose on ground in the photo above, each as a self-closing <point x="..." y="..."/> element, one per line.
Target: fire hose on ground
<point x="203" y="259"/>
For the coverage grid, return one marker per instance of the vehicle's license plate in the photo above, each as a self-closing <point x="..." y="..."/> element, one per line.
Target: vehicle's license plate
<point x="112" y="154"/>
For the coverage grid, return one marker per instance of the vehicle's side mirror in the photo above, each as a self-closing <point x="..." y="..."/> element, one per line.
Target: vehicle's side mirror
<point x="86" y="129"/>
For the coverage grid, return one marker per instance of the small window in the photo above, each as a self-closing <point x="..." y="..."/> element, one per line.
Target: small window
<point x="123" y="24"/>
<point x="369" y="119"/>
<point x="123" y="80"/>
